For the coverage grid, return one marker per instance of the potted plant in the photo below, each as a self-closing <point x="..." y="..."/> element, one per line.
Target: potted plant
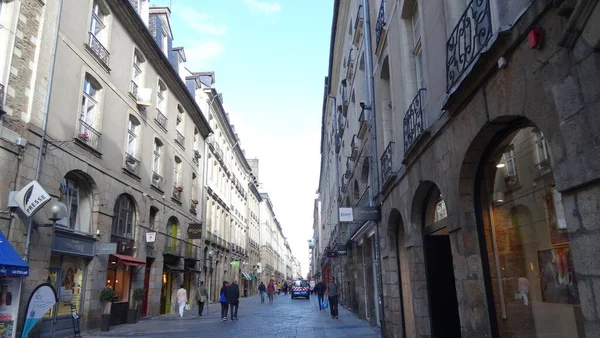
<point x="84" y="136"/>
<point x="133" y="314"/>
<point x="195" y="202"/>
<point x="180" y="189"/>
<point x="107" y="296"/>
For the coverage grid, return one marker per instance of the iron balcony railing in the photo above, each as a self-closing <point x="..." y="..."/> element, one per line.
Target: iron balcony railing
<point x="161" y="119"/>
<point x="98" y="49"/>
<point x="131" y="163"/>
<point x="362" y="122"/>
<point x="134" y="89"/>
<point x="1" y="97"/>
<point x="380" y="22"/>
<point x="349" y="167"/>
<point x="414" y="120"/>
<point x="470" y="35"/>
<point x="156" y="180"/>
<point x="89" y="135"/>
<point x="354" y="146"/>
<point x="179" y="138"/>
<point x="387" y="163"/>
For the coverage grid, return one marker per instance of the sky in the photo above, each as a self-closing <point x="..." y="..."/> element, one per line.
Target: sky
<point x="270" y="58"/>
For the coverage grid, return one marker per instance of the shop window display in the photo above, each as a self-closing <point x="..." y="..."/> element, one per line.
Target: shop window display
<point x="119" y="278"/>
<point x="69" y="286"/>
<point x="530" y="264"/>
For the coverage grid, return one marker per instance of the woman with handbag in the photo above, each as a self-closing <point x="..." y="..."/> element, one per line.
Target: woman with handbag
<point x="223" y="300"/>
<point x="181" y="299"/>
<point x="201" y="297"/>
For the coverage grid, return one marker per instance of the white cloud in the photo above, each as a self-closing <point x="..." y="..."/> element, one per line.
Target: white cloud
<point x="201" y="22"/>
<point x="200" y="52"/>
<point x="265" y="7"/>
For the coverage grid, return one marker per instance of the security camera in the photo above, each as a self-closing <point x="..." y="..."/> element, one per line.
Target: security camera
<point x="363" y="105"/>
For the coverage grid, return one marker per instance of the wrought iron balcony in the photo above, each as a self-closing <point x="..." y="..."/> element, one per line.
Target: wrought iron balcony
<point x="179" y="138"/>
<point x="89" y="135"/>
<point x="157" y="180"/>
<point x="354" y="146"/>
<point x="380" y="22"/>
<point x="132" y="164"/>
<point x="387" y="164"/>
<point x="161" y="119"/>
<point x="350" y="67"/>
<point x="98" y="49"/>
<point x="349" y="166"/>
<point x="134" y="89"/>
<point x="363" y="123"/>
<point x="470" y="35"/>
<point x="413" y="120"/>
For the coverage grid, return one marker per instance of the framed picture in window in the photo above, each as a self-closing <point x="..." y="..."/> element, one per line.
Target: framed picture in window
<point x="557" y="276"/>
<point x="557" y="224"/>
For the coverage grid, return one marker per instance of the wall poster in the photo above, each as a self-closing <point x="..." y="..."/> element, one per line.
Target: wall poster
<point x="557" y="276"/>
<point x="10" y="291"/>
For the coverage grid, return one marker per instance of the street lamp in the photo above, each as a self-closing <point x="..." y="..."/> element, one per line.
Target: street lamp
<point x="210" y="254"/>
<point x="53" y="211"/>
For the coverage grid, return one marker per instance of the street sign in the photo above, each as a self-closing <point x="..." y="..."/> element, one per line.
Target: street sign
<point x="346" y="215"/>
<point x="106" y="248"/>
<point x="359" y="214"/>
<point x="150" y="237"/>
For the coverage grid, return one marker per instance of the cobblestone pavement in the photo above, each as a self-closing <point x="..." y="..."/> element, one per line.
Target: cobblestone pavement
<point x="286" y="317"/>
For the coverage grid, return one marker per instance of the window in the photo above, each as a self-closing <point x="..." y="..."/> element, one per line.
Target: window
<point x="179" y="126"/>
<point x="90" y="112"/>
<point x="76" y="194"/>
<point x="123" y="217"/>
<point x="156" y="164"/>
<point x="542" y="157"/>
<point x="417" y="51"/>
<point x="194" y="189"/>
<point x="161" y="105"/>
<point x="510" y="163"/>
<point x="177" y="172"/>
<point x="133" y="127"/>
<point x="98" y="35"/>
<point x="137" y="73"/>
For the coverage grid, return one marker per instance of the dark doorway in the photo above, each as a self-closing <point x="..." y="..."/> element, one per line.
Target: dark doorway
<point x="146" y="286"/>
<point x="443" y="304"/>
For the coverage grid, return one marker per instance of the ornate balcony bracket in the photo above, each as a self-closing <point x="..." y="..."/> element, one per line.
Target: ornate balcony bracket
<point x="414" y="120"/>
<point x="469" y="37"/>
<point x="387" y="164"/>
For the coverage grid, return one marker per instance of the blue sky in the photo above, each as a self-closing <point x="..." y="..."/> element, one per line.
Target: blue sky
<point x="270" y="58"/>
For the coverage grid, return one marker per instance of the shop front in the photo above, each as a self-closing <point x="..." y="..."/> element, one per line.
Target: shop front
<point x="171" y="271"/>
<point x="122" y="270"/>
<point x="12" y="270"/>
<point x="71" y="254"/>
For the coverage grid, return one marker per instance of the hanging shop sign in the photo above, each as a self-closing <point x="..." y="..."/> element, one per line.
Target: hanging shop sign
<point x="31" y="198"/>
<point x="150" y="237"/>
<point x="341" y="250"/>
<point x="195" y="231"/>
<point x="360" y="214"/>
<point x="106" y="249"/>
<point x="40" y="301"/>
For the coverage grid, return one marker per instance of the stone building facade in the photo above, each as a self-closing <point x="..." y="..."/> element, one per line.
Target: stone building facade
<point x="487" y="183"/>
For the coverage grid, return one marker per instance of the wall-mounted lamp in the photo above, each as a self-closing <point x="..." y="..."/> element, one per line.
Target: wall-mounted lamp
<point x="498" y="197"/>
<point x="500" y="165"/>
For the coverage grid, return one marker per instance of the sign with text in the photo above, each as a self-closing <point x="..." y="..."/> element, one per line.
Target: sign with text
<point x="32" y="198"/>
<point x="106" y="248"/>
<point x="73" y="244"/>
<point x="40" y="301"/>
<point x="359" y="214"/>
<point x="195" y="231"/>
<point x="10" y="291"/>
<point x="341" y="250"/>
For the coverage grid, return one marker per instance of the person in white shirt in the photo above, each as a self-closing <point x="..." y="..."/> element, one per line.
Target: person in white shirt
<point x="181" y="299"/>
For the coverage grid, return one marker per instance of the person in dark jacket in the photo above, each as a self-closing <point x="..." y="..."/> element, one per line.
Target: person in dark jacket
<point x="320" y="290"/>
<point x="223" y="300"/>
<point x="262" y="289"/>
<point x="233" y="298"/>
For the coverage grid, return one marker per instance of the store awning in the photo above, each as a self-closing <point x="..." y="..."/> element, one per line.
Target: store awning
<point x="11" y="263"/>
<point x="190" y="270"/>
<point x="246" y="275"/>
<point x="173" y="268"/>
<point x="129" y="260"/>
<point x="254" y="277"/>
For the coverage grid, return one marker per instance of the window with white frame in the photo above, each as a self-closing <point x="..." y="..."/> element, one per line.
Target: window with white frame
<point x="179" y="126"/>
<point x="510" y="167"/>
<point x="541" y="149"/>
<point x="177" y="172"/>
<point x="76" y="194"/>
<point x="133" y="130"/>
<point x="194" y="187"/>
<point x="417" y="51"/>
<point x="161" y="104"/>
<point x="157" y="163"/>
<point x="137" y="72"/>
<point x="124" y="217"/>
<point x="98" y="35"/>
<point x="90" y="112"/>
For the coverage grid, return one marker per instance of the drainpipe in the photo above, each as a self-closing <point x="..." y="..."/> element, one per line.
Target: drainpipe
<point x="38" y="168"/>
<point x="374" y="164"/>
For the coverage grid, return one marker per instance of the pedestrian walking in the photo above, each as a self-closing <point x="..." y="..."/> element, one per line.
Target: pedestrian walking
<point x="320" y="290"/>
<point x="285" y="288"/>
<point x="271" y="290"/>
<point x="223" y="300"/>
<point x="181" y="299"/>
<point x="201" y="297"/>
<point x="233" y="298"/>
<point x="262" y="289"/>
<point x="332" y="295"/>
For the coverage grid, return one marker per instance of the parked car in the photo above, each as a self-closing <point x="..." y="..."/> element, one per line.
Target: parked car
<point x="300" y="288"/>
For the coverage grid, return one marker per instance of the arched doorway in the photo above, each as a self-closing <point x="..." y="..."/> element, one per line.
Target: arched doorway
<point x="171" y="266"/>
<point x="441" y="288"/>
<point x="525" y="242"/>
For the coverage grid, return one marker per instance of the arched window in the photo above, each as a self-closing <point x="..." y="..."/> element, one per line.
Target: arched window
<point x="76" y="194"/>
<point x="124" y="217"/>
<point x="172" y="232"/>
<point x="89" y="119"/>
<point x="157" y="164"/>
<point x="131" y="148"/>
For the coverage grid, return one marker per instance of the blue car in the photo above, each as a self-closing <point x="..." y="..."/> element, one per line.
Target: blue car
<point x="300" y="288"/>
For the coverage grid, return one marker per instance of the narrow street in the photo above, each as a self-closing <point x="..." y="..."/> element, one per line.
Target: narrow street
<point x="284" y="318"/>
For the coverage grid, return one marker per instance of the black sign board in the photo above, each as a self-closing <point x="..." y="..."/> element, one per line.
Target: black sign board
<point x="366" y="214"/>
<point x="195" y="231"/>
<point x="341" y="250"/>
<point x="69" y="243"/>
